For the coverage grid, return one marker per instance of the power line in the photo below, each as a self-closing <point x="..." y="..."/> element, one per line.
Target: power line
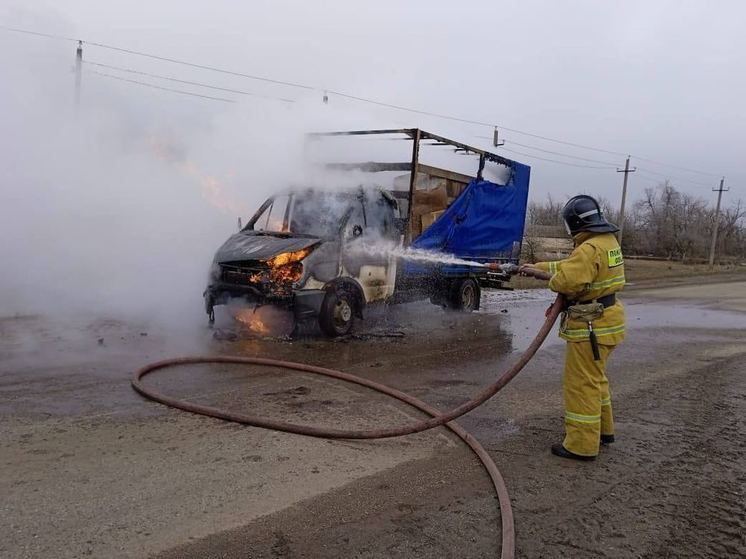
<point x="561" y="154"/>
<point x="162" y="58"/>
<point x="199" y="84"/>
<point x="676" y="167"/>
<point x="466" y="121"/>
<point x="557" y="161"/>
<point x="355" y="98"/>
<point x="200" y="66"/>
<point x="334" y="92"/>
<point x="38" y="34"/>
<point x="162" y="88"/>
<point x="668" y="176"/>
<point x="607" y="162"/>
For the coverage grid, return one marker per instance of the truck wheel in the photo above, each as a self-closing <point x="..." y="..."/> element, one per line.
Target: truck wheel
<point x="337" y="313"/>
<point x="465" y="295"/>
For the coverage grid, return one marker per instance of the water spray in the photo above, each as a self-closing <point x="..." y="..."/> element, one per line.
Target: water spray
<point x="384" y="250"/>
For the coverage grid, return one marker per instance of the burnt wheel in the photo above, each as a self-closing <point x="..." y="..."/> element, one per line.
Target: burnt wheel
<point x="337" y="313"/>
<point x="464" y="296"/>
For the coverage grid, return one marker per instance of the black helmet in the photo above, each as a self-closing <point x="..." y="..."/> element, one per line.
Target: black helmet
<point x="582" y="213"/>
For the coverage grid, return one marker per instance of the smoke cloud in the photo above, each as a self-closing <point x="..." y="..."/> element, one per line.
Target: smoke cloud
<point x="115" y="207"/>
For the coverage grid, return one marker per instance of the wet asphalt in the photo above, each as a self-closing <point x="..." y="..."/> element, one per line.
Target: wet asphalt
<point x="90" y="468"/>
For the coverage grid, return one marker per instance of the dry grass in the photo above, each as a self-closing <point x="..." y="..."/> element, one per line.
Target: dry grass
<point x="640" y="270"/>
<point x="647" y="271"/>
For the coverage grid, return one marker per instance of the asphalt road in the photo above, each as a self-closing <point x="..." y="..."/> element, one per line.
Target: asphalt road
<point x="90" y="469"/>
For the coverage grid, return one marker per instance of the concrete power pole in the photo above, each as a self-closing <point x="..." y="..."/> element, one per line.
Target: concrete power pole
<point x="78" y="71"/>
<point x="626" y="172"/>
<point x="716" y="225"/>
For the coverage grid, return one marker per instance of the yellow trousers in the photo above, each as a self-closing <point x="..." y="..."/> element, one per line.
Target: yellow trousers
<point x="587" y="398"/>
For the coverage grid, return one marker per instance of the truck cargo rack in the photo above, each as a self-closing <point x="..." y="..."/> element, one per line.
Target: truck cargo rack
<point x="419" y="138"/>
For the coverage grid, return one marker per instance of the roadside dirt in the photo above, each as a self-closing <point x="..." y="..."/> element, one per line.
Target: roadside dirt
<point x="89" y="469"/>
<point x="656" y="272"/>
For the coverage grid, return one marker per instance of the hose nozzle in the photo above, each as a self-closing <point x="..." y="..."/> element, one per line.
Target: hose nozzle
<point x="510" y="269"/>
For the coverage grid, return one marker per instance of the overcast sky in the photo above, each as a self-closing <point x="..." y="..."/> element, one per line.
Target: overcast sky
<point x="663" y="79"/>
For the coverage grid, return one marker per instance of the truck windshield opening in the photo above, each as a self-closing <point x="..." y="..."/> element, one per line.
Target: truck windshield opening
<point x="308" y="213"/>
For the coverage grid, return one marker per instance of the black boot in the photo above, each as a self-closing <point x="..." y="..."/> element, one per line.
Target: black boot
<point x="607" y="439"/>
<point x="562" y="452"/>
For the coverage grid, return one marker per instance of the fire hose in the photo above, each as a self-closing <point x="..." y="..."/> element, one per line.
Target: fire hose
<point x="436" y="419"/>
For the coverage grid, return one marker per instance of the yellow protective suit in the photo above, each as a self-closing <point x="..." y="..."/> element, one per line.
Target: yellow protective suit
<point x="594" y="269"/>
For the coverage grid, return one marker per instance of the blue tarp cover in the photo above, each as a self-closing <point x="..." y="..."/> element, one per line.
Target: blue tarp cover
<point x="484" y="221"/>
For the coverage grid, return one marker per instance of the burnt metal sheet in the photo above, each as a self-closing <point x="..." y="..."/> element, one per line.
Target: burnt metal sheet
<point x="408" y="131"/>
<point x="417" y="134"/>
<point x="249" y="245"/>
<point x="467" y="148"/>
<point x="370" y="166"/>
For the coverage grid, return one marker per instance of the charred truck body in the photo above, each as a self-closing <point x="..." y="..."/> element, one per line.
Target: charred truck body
<point x="322" y="254"/>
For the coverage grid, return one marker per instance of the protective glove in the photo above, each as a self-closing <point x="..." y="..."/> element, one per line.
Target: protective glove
<point x="528" y="270"/>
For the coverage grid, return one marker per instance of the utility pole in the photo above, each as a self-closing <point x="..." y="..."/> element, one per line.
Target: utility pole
<point x="626" y="172"/>
<point x="716" y="225"/>
<point x="78" y="71"/>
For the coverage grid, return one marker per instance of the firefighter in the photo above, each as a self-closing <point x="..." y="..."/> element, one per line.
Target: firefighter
<point x="592" y="324"/>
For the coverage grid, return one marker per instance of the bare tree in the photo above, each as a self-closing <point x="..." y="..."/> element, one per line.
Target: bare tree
<point x="548" y="212"/>
<point x="664" y="222"/>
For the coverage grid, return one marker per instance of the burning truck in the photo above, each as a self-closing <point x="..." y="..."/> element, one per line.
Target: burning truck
<point x="327" y="254"/>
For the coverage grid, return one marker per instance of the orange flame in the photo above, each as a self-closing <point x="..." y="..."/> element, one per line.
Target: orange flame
<point x="286" y="269"/>
<point x="289" y="257"/>
<point x="213" y="189"/>
<point x="252" y="319"/>
<point x="266" y="320"/>
<point x="288" y="274"/>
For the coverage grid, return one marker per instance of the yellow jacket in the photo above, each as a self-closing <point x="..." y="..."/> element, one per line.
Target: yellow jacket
<point x="594" y="269"/>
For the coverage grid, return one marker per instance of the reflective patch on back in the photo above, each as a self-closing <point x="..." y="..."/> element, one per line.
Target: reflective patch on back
<point x="615" y="257"/>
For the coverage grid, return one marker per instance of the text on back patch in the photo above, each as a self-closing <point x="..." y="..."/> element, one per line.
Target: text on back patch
<point x="615" y="257"/>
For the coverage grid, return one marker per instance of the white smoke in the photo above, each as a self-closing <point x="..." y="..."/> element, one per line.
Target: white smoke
<point x="117" y="206"/>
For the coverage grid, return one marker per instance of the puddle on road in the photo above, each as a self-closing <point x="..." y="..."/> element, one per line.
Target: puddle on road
<point x="65" y="361"/>
<point x="507" y="322"/>
<point x="525" y="311"/>
<point x="661" y="314"/>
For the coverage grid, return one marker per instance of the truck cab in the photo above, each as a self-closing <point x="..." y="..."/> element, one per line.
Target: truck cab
<point x="302" y="251"/>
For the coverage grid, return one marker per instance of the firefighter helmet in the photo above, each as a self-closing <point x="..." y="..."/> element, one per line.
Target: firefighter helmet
<point x="583" y="213"/>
